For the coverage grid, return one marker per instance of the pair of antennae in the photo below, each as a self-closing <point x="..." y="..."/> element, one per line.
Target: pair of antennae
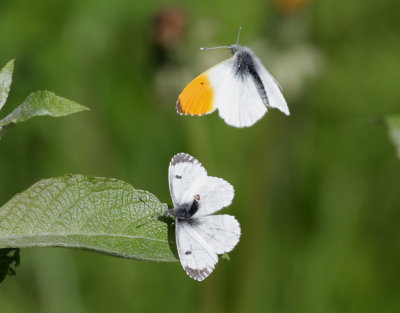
<point x="224" y="47"/>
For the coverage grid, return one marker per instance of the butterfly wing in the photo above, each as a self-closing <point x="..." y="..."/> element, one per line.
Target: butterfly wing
<point x="197" y="258"/>
<point x="272" y="88"/>
<point x="236" y="97"/>
<point x="188" y="179"/>
<point x="186" y="175"/>
<point x="200" y="240"/>
<point x="198" y="97"/>
<point x="214" y="194"/>
<point x="221" y="232"/>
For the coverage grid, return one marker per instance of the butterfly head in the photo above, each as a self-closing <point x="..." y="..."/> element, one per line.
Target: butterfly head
<point x="234" y="48"/>
<point x="186" y="210"/>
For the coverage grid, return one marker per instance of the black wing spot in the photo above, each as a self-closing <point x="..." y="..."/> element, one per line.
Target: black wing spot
<point x="188" y="252"/>
<point x="178" y="176"/>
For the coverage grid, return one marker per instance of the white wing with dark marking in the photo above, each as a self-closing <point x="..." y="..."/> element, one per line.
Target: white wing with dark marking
<point x="188" y="180"/>
<point x="272" y="88"/>
<point x="198" y="259"/>
<point x="214" y="194"/>
<point x="186" y="175"/>
<point x="237" y="99"/>
<point x="200" y="240"/>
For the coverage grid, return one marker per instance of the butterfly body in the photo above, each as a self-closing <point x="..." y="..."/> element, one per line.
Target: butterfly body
<point x="200" y="236"/>
<point x="246" y="65"/>
<point x="240" y="88"/>
<point x="185" y="211"/>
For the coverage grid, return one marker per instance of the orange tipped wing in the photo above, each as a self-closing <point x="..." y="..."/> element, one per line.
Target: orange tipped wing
<point x="197" y="98"/>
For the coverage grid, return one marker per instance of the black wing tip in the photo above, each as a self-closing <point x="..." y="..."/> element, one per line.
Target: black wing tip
<point x="179" y="107"/>
<point x="182" y="158"/>
<point x="198" y="274"/>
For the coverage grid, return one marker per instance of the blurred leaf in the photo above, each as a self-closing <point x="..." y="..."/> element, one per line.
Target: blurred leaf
<point x="9" y="259"/>
<point x="41" y="103"/>
<point x="5" y="81"/>
<point x="101" y="214"/>
<point x="393" y="123"/>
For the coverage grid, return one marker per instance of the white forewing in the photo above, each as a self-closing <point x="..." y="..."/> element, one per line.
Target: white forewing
<point x="237" y="99"/>
<point x="186" y="175"/>
<point x="274" y="93"/>
<point x="188" y="179"/>
<point x="200" y="241"/>
<point x="215" y="193"/>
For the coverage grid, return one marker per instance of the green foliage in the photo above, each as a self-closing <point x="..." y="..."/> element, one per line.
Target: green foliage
<point x="393" y="123"/>
<point x="316" y="194"/>
<point x="39" y="103"/>
<point x="5" y="82"/>
<point x="101" y="214"/>
<point x="36" y="104"/>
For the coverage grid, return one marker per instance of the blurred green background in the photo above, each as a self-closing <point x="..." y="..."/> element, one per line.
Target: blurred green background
<point x="317" y="193"/>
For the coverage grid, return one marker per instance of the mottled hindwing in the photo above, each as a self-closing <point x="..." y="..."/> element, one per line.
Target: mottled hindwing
<point x="201" y="240"/>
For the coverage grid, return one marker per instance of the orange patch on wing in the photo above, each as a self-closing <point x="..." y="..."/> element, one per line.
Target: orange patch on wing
<point x="197" y="98"/>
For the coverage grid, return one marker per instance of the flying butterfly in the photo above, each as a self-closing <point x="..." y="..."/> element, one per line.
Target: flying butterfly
<point x="240" y="88"/>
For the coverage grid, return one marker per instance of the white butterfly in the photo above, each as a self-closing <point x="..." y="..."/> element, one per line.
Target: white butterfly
<point x="200" y="237"/>
<point x="240" y="88"/>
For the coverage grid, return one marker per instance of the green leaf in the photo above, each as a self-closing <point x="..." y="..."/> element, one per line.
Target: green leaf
<point x="38" y="103"/>
<point x="42" y="103"/>
<point x="9" y="259"/>
<point x="5" y="82"/>
<point x="100" y="214"/>
<point x="393" y="123"/>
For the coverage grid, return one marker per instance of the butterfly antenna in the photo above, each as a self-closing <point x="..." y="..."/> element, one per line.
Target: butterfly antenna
<point x="212" y="48"/>
<point x="224" y="47"/>
<point x="237" y="41"/>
